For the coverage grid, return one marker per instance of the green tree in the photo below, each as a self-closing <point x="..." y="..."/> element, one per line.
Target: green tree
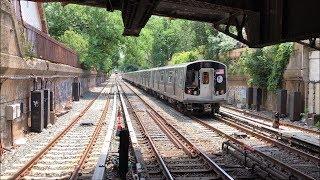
<point x="266" y="66"/>
<point x="93" y="32"/>
<point x="77" y="42"/>
<point x="183" y="57"/>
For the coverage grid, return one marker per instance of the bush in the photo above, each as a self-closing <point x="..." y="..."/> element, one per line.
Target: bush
<point x="184" y="57"/>
<point x="266" y="66"/>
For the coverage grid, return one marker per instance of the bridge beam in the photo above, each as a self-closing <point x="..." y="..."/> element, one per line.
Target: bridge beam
<point x="256" y="23"/>
<point x="135" y="15"/>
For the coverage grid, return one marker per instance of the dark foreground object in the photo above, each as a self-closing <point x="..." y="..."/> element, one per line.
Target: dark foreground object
<point x="123" y="153"/>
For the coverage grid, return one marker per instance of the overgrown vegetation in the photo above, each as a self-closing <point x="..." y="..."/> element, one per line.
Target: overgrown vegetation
<point x="266" y="66"/>
<point x="97" y="36"/>
<point x="28" y="51"/>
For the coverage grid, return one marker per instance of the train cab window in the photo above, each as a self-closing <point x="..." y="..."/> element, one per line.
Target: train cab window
<point x="205" y="78"/>
<point x="192" y="82"/>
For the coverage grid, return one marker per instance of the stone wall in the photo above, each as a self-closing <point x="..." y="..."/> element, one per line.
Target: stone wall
<point x="314" y="83"/>
<point x="237" y="94"/>
<point x="237" y="86"/>
<point x="17" y="82"/>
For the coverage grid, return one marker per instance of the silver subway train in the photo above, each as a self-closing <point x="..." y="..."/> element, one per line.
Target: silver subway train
<point x="196" y="86"/>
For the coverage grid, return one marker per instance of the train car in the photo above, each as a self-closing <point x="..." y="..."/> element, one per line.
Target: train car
<point x="196" y="86"/>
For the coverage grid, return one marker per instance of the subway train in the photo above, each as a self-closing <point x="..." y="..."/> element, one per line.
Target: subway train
<point x="198" y="86"/>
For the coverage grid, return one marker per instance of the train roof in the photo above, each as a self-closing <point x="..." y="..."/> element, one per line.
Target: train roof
<point x="176" y="66"/>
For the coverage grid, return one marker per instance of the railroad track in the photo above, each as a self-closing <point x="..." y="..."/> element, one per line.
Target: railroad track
<point x="166" y="152"/>
<point x="279" y="162"/>
<point x="268" y="120"/>
<point x="66" y="154"/>
<point x="211" y="142"/>
<point x="301" y="138"/>
<point x="286" y="161"/>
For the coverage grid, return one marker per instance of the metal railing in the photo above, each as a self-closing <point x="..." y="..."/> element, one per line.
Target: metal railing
<point x="45" y="47"/>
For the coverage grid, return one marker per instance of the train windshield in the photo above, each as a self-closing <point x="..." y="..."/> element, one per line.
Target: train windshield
<point x="208" y="77"/>
<point x="192" y="82"/>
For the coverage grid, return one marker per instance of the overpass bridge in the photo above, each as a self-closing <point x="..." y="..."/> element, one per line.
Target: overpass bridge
<point x="256" y="23"/>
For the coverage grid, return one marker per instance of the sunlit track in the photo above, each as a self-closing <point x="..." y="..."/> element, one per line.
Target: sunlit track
<point x="290" y="163"/>
<point x="267" y="120"/>
<point x="208" y="140"/>
<point x="150" y="147"/>
<point x="306" y="146"/>
<point x="66" y="154"/>
<point x="278" y="160"/>
<point x="191" y="162"/>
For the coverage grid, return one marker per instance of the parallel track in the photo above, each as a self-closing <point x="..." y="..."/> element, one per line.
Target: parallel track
<point x="286" y="160"/>
<point x="66" y="144"/>
<point x="305" y="148"/>
<point x="192" y="163"/>
<point x="282" y="123"/>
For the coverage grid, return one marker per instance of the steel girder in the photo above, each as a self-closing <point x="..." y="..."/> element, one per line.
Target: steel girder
<point x="256" y="23"/>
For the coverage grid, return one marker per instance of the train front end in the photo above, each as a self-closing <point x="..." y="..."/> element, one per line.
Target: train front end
<point x="205" y="85"/>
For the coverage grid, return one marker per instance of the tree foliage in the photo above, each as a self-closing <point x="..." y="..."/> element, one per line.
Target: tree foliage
<point x="183" y="57"/>
<point x="97" y="36"/>
<point x="94" y="33"/>
<point x="266" y="66"/>
<point x="77" y="42"/>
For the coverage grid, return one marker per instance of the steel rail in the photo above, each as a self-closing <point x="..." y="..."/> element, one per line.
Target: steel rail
<point x="283" y="123"/>
<point x="23" y="170"/>
<point x="251" y="149"/>
<point x="260" y="166"/>
<point x="216" y="168"/>
<point x="93" y="140"/>
<point x="165" y="169"/>
<point x="187" y="148"/>
<point x="270" y="140"/>
<point x="291" y="140"/>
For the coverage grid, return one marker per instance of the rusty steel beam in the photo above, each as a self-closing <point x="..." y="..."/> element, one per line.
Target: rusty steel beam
<point x="135" y="15"/>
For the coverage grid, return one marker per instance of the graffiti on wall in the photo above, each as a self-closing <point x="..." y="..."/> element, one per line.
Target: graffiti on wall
<point x="237" y="95"/>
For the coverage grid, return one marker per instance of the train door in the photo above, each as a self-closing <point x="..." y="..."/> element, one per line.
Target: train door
<point x="206" y="82"/>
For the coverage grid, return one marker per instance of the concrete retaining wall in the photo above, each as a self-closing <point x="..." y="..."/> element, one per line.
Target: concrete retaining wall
<point x="237" y="94"/>
<point x="17" y="90"/>
<point x="314" y="84"/>
<point x="237" y="86"/>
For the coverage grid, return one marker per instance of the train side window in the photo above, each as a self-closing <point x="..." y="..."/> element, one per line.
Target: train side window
<point x="181" y="78"/>
<point x="170" y="77"/>
<point x="205" y="78"/>
<point x="161" y="76"/>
